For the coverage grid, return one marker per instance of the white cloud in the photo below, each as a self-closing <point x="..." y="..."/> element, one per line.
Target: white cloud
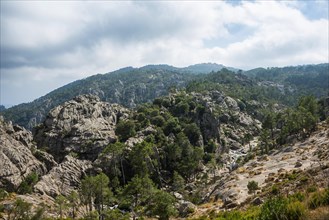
<point x="63" y="41"/>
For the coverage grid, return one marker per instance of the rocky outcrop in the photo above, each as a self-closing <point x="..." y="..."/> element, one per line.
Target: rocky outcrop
<point x="45" y="158"/>
<point x="140" y="136"/>
<point x="82" y="126"/>
<point x="309" y="157"/>
<point x="16" y="158"/>
<point x="63" y="178"/>
<point x="185" y="207"/>
<point x="224" y="121"/>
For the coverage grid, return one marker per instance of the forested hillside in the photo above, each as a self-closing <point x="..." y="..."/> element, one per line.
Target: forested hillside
<point x="215" y="142"/>
<point x="298" y="80"/>
<point x="132" y="86"/>
<point x="128" y="87"/>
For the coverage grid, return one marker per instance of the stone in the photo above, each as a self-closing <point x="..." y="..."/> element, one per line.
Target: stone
<point x="288" y="149"/>
<point x="178" y="195"/>
<point x="63" y="178"/>
<point x="231" y="103"/>
<point x="245" y="120"/>
<point x="224" y="118"/>
<point x="229" y="203"/>
<point x="298" y="164"/>
<point x="16" y="158"/>
<point x="140" y="136"/>
<point x="241" y="170"/>
<point x="185" y="208"/>
<point x="84" y="126"/>
<point x="257" y="201"/>
<point x="235" y="145"/>
<point x="281" y="170"/>
<point x="46" y="158"/>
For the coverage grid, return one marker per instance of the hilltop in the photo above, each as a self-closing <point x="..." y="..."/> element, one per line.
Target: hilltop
<point x="133" y="86"/>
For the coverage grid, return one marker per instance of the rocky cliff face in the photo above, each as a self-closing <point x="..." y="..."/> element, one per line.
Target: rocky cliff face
<point x="227" y="122"/>
<point x="64" y="178"/>
<point x="82" y="126"/>
<point x="16" y="158"/>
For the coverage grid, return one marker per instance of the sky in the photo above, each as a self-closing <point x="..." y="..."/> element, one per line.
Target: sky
<point x="47" y="44"/>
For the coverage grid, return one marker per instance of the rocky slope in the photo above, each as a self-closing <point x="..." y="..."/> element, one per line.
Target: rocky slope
<point x="215" y="129"/>
<point x="16" y="158"/>
<point x="289" y="169"/>
<point x="229" y="123"/>
<point x="64" y="178"/>
<point x="82" y="126"/>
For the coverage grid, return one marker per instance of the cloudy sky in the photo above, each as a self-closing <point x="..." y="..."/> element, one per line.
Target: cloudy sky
<point x="45" y="45"/>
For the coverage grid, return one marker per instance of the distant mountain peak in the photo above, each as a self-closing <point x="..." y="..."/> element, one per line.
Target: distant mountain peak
<point x="207" y="68"/>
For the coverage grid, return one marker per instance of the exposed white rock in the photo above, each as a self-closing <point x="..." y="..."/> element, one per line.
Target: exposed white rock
<point x="16" y="158"/>
<point x="84" y="125"/>
<point x="63" y="178"/>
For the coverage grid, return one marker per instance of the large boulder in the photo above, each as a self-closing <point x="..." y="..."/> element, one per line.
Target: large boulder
<point x="16" y="158"/>
<point x="231" y="103"/>
<point x="82" y="126"/>
<point x="185" y="208"/>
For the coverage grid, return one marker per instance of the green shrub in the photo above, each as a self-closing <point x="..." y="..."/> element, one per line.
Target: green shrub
<point x="295" y="210"/>
<point x="326" y="197"/>
<point x="304" y="179"/>
<point x="274" y="209"/>
<point x="115" y="214"/>
<point x="252" y="186"/>
<point x="281" y="208"/>
<point x="275" y="190"/>
<point x="311" y="189"/>
<point x="91" y="216"/>
<point x="161" y="204"/>
<point x="158" y="120"/>
<point x="297" y="197"/>
<point x="292" y="176"/>
<point x="319" y="199"/>
<point x="27" y="185"/>
<point x="125" y="130"/>
<point x="3" y="194"/>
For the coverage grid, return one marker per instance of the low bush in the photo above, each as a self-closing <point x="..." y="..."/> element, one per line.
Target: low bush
<point x="319" y="199"/>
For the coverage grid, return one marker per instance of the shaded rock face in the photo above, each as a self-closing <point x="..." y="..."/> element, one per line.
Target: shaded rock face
<point x="63" y="178"/>
<point x="209" y="124"/>
<point x="83" y="126"/>
<point x="16" y="158"/>
<point x="185" y="208"/>
<point x="140" y="136"/>
<point x="223" y="121"/>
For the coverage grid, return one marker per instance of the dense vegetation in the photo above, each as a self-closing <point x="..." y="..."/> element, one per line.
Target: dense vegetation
<point x="132" y="86"/>
<point x="174" y="142"/>
<point x="128" y="87"/>
<point x="300" y="80"/>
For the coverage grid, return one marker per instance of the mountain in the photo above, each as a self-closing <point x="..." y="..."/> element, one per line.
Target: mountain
<point x="185" y="155"/>
<point x="305" y="79"/>
<point x="127" y="86"/>
<point x="207" y="68"/>
<point x="132" y="86"/>
<point x="222" y="141"/>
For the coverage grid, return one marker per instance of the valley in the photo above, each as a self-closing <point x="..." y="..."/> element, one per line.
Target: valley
<point x="160" y="142"/>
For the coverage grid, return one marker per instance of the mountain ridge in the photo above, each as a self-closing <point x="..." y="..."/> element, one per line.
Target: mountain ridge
<point x="133" y="86"/>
